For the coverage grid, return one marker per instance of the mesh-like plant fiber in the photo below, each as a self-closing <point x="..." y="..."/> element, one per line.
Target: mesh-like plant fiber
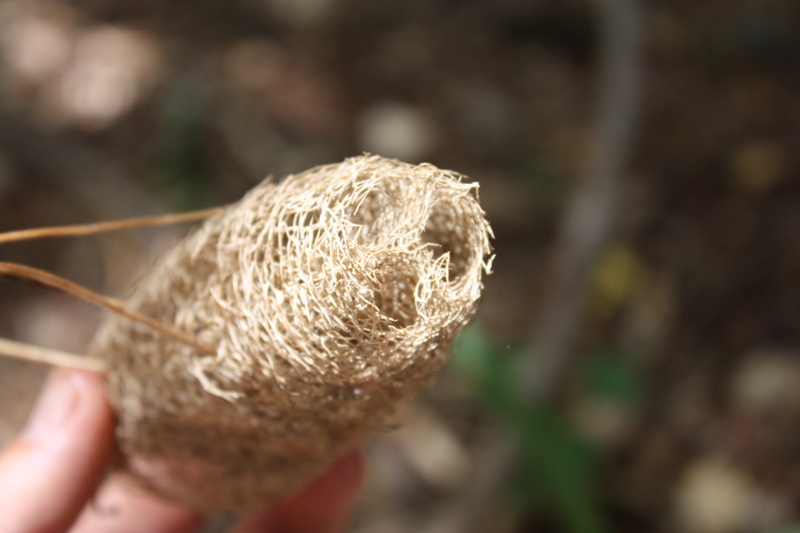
<point x="329" y="297"/>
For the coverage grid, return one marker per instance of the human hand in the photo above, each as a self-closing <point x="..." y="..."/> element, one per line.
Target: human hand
<point x="50" y="474"/>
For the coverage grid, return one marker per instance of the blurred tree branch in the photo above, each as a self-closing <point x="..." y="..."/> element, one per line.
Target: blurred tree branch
<point x="589" y="217"/>
<point x="585" y="228"/>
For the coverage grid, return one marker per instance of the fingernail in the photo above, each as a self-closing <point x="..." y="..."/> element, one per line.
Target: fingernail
<point x="57" y="402"/>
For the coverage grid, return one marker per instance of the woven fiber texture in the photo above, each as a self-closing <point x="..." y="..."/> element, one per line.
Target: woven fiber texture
<point x="329" y="297"/>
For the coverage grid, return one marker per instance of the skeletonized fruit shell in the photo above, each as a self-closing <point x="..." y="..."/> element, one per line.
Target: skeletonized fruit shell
<point x="329" y="297"/>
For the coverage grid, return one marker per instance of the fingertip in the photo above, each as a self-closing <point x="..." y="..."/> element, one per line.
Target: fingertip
<point x="70" y="401"/>
<point x="123" y="506"/>
<point x="339" y="483"/>
<point x="324" y="506"/>
<point x="60" y="455"/>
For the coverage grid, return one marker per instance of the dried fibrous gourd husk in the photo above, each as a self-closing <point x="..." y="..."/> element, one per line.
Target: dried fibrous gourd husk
<point x="329" y="297"/>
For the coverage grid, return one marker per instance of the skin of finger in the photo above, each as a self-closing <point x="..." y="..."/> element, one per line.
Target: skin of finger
<point x="45" y="480"/>
<point x="123" y="507"/>
<point x="323" y="507"/>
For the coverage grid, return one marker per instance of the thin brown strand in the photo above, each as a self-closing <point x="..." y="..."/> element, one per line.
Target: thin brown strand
<point x="51" y="281"/>
<point x="102" y="227"/>
<point x="47" y="356"/>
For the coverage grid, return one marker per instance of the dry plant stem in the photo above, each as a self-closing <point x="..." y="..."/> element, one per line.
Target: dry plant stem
<point x="47" y="356"/>
<point x="46" y="279"/>
<point x="102" y="227"/>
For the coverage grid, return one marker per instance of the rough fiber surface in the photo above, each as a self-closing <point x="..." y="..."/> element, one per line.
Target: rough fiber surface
<point x="329" y="297"/>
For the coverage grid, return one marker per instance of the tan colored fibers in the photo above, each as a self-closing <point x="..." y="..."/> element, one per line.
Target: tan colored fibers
<point x="329" y="297"/>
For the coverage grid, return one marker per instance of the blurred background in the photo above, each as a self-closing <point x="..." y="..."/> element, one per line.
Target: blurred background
<point x="635" y="363"/>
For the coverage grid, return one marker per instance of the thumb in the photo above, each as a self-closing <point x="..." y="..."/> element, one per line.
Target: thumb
<point x="49" y="472"/>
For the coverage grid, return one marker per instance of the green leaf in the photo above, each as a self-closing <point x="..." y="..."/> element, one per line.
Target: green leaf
<point x="612" y="374"/>
<point x="179" y="158"/>
<point x="472" y="349"/>
<point x="558" y="466"/>
<point x="795" y="528"/>
<point x="565" y="466"/>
